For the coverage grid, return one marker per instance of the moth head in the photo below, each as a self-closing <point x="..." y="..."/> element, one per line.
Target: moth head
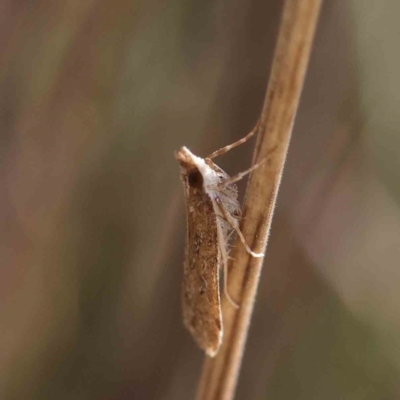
<point x="194" y="170"/>
<point x="185" y="158"/>
<point x="189" y="167"/>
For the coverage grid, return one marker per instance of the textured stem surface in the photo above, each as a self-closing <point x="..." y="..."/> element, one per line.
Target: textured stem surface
<point x="296" y="32"/>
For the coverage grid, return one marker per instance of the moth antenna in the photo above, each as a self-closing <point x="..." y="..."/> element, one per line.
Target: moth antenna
<point x="241" y="175"/>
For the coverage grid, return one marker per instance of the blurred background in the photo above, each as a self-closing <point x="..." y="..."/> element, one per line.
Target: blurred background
<point x="95" y="96"/>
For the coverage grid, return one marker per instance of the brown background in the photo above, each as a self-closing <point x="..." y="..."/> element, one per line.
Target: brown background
<point x="95" y="96"/>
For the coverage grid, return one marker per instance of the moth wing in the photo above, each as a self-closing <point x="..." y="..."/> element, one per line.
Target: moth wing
<point x="200" y="289"/>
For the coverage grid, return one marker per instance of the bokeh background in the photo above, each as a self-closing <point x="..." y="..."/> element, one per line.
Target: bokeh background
<point x="95" y="96"/>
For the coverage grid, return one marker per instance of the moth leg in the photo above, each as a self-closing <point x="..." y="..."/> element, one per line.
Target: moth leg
<point x="227" y="237"/>
<point x="240" y="175"/>
<point x="229" y="234"/>
<point x="224" y="255"/>
<point x="231" y="221"/>
<point x="225" y="149"/>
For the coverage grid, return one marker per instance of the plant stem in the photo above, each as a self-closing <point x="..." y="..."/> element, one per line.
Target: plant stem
<point x="220" y="374"/>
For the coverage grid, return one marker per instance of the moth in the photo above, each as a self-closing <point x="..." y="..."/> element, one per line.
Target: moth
<point x="212" y="214"/>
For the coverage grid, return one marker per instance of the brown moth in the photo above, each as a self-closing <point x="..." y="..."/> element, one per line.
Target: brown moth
<point x="212" y="213"/>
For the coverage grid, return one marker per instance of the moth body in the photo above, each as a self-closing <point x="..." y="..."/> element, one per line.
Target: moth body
<point x="212" y="212"/>
<point x="206" y="243"/>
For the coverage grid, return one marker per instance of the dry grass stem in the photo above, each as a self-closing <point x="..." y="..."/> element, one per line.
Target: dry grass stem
<point x="220" y="374"/>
